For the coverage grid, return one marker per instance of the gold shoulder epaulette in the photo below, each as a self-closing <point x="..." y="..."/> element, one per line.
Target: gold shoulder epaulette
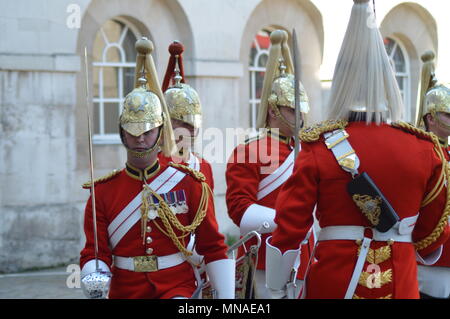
<point x="312" y="133"/>
<point x="102" y="179"/>
<point x="199" y="176"/>
<point x="406" y="127"/>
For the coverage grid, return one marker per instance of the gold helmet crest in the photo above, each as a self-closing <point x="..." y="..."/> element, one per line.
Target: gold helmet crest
<point x="278" y="86"/>
<point x="182" y="100"/>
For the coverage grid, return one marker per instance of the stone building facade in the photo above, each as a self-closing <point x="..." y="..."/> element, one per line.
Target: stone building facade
<point x="43" y="128"/>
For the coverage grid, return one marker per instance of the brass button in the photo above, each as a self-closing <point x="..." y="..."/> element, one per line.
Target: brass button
<point x="149" y="229"/>
<point x="149" y="251"/>
<point x="149" y="240"/>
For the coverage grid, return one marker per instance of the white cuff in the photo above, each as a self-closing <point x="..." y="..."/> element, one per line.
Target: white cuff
<point x="89" y="267"/>
<point x="221" y="274"/>
<point x="430" y="259"/>
<point x="279" y="267"/>
<point x="255" y="217"/>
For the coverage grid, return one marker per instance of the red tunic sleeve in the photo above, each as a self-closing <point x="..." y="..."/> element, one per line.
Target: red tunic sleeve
<point x="295" y="202"/>
<point x="242" y="177"/>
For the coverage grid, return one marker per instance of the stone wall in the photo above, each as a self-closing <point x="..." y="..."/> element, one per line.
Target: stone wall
<point x="39" y="220"/>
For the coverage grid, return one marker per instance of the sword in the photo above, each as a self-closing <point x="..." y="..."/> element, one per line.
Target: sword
<point x="96" y="284"/>
<point x="295" y="57"/>
<point x="91" y="162"/>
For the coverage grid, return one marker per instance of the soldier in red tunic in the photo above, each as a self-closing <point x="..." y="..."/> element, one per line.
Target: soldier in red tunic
<point x="257" y="169"/>
<point x="185" y="112"/>
<point x="146" y="212"/>
<point x="434" y="115"/>
<point x="377" y="208"/>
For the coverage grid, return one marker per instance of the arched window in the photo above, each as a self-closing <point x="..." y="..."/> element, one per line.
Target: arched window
<point x="399" y="59"/>
<point x="113" y="76"/>
<point x="259" y="54"/>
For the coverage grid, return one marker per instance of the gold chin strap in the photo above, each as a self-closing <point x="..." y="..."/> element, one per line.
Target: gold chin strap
<point x="169" y="219"/>
<point x="146" y="152"/>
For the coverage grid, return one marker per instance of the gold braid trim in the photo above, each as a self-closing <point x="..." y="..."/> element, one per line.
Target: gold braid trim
<point x="377" y="256"/>
<point x="312" y="133"/>
<point x="169" y="219"/>
<point x="195" y="174"/>
<point x="443" y="178"/>
<point x="102" y="179"/>
<point x="385" y="297"/>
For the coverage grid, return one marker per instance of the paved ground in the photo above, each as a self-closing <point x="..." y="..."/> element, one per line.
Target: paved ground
<point x="44" y="284"/>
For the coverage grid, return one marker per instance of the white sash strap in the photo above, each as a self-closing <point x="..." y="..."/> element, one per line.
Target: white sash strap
<point x="358" y="268"/>
<point x="268" y="184"/>
<point x="344" y="153"/>
<point x="194" y="162"/>
<point x="130" y="215"/>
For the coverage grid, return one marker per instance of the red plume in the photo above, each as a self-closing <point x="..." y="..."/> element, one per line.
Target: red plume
<point x="175" y="49"/>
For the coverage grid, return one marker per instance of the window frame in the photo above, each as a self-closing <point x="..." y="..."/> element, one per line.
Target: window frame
<point x="406" y="76"/>
<point x="252" y="69"/>
<point x="102" y="137"/>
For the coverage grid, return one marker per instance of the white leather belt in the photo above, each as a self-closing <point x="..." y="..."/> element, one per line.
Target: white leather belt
<point x="148" y="263"/>
<point x="400" y="232"/>
<point x="357" y="232"/>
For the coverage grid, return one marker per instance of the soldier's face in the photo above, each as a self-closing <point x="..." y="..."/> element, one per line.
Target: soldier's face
<point x="285" y="124"/>
<point x="289" y="114"/>
<point x="142" y="142"/>
<point x="441" y="129"/>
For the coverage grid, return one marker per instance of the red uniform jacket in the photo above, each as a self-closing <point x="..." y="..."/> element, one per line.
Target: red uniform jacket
<point x="111" y="197"/>
<point x="385" y="154"/>
<point x="248" y="165"/>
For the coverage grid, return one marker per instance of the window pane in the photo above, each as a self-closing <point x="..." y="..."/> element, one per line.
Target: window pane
<point x="95" y="118"/>
<point x="401" y="82"/>
<point x="128" y="80"/>
<point x="112" y="30"/>
<point x="99" y="44"/>
<point x="110" y="85"/>
<point x="95" y="80"/>
<point x="259" y="79"/>
<point x="111" y="118"/>
<point x="113" y="55"/>
<point x="253" y="53"/>
<point x="258" y="50"/>
<point x="262" y="61"/>
<point x="128" y="46"/>
<point x="399" y="60"/>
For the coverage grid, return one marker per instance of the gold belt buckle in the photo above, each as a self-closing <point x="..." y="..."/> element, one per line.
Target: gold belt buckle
<point x="145" y="263"/>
